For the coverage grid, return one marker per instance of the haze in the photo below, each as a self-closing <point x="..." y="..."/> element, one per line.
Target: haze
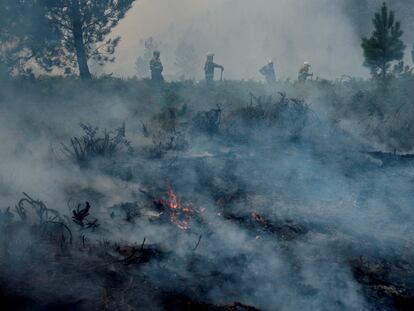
<point x="244" y="35"/>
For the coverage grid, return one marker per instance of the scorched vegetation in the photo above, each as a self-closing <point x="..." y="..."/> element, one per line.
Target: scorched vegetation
<point x="208" y="197"/>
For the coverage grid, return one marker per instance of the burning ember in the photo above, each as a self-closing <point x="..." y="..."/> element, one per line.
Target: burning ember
<point x="180" y="215"/>
<point x="259" y="219"/>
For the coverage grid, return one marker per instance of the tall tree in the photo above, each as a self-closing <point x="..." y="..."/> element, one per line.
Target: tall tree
<point x="385" y="44"/>
<point x="81" y="28"/>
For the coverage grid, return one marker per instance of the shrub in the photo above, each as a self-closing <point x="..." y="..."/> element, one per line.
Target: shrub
<point x="95" y="144"/>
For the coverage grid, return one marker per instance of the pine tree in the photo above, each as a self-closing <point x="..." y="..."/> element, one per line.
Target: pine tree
<point x="385" y="44"/>
<point x="21" y="24"/>
<point x="81" y="28"/>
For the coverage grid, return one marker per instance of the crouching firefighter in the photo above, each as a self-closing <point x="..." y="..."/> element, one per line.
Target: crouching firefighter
<point x="210" y="66"/>
<point x="304" y="73"/>
<point x="156" y="69"/>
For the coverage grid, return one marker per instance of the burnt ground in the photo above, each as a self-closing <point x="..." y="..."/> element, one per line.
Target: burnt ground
<point x="266" y="207"/>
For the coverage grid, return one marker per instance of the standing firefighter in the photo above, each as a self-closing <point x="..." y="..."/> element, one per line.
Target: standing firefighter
<point x="210" y="66"/>
<point x="304" y="72"/>
<point x="268" y="71"/>
<point x="156" y="68"/>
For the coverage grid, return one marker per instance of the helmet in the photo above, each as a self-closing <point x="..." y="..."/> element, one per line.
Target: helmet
<point x="306" y="64"/>
<point x="270" y="61"/>
<point x="210" y="55"/>
<point x="156" y="53"/>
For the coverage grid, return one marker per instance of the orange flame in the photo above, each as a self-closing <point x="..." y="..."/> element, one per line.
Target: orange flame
<point x="179" y="215"/>
<point x="173" y="200"/>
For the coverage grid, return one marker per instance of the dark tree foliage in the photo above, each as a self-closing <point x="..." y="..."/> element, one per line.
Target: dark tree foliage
<point x="62" y="34"/>
<point x="82" y="27"/>
<point x="24" y="33"/>
<point x="384" y="45"/>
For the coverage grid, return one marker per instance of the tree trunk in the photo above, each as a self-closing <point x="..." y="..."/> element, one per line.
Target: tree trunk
<point x="81" y="56"/>
<point x="383" y="71"/>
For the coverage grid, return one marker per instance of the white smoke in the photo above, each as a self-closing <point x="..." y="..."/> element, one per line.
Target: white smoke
<point x="245" y="34"/>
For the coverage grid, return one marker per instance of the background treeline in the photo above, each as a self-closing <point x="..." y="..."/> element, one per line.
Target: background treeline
<point x="67" y="37"/>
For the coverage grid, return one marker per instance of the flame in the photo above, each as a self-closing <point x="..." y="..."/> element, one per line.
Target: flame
<point x="173" y="202"/>
<point x="179" y="215"/>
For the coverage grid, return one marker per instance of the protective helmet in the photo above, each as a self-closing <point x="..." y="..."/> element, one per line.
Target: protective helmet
<point x="306" y="64"/>
<point x="270" y="61"/>
<point x="210" y="55"/>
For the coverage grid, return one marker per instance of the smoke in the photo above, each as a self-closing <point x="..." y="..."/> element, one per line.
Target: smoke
<point x="327" y="203"/>
<point x="245" y="34"/>
<point x="321" y="200"/>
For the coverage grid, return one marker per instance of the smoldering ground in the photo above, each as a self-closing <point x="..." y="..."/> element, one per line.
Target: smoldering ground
<point x="286" y="210"/>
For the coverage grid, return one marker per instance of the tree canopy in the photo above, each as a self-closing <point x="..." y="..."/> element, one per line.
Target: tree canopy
<point x="64" y="34"/>
<point x="385" y="44"/>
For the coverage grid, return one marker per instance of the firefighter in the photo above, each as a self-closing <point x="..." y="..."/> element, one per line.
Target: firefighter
<point x="156" y="68"/>
<point x="268" y="71"/>
<point x="304" y="73"/>
<point x="210" y="66"/>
